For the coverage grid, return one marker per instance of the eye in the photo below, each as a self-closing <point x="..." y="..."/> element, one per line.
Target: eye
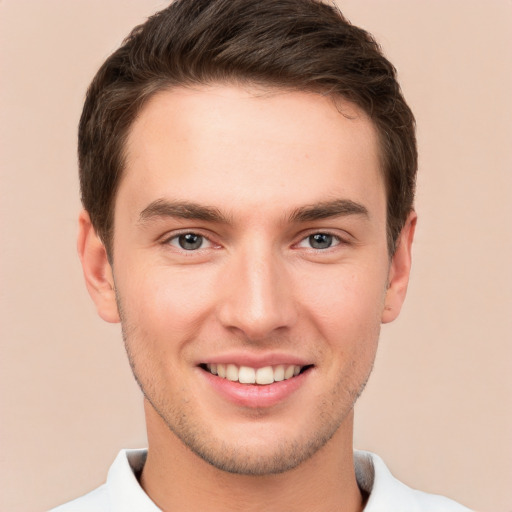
<point x="189" y="241"/>
<point x="319" y="241"/>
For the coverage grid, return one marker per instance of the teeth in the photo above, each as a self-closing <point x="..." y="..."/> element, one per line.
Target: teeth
<point x="248" y="375"/>
<point x="288" y="373"/>
<point x="232" y="372"/>
<point x="265" y="375"/>
<point x="221" y="370"/>
<point x="279" y="373"/>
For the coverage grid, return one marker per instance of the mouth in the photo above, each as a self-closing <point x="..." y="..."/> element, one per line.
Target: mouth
<point x="263" y="376"/>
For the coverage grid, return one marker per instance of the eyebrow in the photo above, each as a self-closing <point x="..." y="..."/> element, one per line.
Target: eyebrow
<point x="189" y="210"/>
<point x="328" y="209"/>
<point x="182" y="210"/>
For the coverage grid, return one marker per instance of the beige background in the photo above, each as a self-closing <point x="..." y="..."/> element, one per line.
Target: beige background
<point x="438" y="407"/>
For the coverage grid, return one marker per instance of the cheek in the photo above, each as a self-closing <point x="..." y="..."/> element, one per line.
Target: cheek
<point x="164" y="300"/>
<point x="346" y="296"/>
<point x="345" y="308"/>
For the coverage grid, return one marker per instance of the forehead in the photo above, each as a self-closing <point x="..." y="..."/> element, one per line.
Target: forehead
<point x="233" y="146"/>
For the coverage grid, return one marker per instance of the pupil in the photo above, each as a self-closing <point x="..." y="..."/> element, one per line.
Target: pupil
<point x="320" y="241"/>
<point x="190" y="241"/>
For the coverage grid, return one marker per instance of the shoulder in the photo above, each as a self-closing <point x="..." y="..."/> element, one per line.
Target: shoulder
<point x="97" y="500"/>
<point x="121" y="492"/>
<point x="387" y="493"/>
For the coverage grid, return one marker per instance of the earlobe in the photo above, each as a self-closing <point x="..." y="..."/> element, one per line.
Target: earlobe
<point x="399" y="271"/>
<point x="97" y="269"/>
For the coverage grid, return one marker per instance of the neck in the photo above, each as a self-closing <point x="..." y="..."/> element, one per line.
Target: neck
<point x="176" y="479"/>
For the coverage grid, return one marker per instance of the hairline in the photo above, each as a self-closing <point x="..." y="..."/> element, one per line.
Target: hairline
<point x="157" y="87"/>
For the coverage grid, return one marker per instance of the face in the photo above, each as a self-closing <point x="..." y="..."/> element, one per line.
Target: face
<point x="251" y="269"/>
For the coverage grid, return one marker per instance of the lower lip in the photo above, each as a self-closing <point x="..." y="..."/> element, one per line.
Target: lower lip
<point x="254" y="395"/>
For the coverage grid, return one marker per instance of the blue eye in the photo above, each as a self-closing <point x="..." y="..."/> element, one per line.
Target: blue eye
<point x="188" y="241"/>
<point x="319" y="241"/>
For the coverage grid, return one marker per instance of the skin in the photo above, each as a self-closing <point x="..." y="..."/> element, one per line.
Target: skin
<point x="259" y="161"/>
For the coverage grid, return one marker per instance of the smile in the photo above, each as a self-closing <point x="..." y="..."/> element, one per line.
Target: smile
<point x="248" y="375"/>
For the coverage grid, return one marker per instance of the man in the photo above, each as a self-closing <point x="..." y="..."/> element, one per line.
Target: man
<point x="247" y="173"/>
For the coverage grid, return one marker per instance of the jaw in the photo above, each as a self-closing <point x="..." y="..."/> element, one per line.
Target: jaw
<point x="257" y="443"/>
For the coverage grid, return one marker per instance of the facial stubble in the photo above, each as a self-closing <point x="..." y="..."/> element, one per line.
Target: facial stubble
<point x="239" y="459"/>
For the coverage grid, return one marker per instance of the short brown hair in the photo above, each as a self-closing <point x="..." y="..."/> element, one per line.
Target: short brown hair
<point x="301" y="45"/>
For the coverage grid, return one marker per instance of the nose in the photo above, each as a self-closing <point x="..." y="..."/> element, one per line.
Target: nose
<point x="258" y="298"/>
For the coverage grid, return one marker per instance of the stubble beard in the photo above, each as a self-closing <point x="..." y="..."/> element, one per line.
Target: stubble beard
<point x="241" y="460"/>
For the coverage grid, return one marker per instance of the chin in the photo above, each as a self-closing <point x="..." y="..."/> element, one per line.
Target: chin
<point x="250" y="448"/>
<point x="248" y="458"/>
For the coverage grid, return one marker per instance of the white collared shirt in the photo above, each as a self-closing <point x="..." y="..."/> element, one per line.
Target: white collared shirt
<point x="122" y="492"/>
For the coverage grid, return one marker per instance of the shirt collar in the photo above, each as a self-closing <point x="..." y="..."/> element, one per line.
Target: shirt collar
<point x="125" y="492"/>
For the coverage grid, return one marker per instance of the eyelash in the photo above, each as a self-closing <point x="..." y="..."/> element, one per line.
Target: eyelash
<point x="338" y="240"/>
<point x="176" y="236"/>
<point x="335" y="238"/>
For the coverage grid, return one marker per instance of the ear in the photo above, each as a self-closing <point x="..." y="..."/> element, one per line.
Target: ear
<point x="399" y="270"/>
<point x="97" y="270"/>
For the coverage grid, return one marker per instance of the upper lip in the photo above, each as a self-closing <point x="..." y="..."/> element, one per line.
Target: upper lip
<point x="255" y="360"/>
